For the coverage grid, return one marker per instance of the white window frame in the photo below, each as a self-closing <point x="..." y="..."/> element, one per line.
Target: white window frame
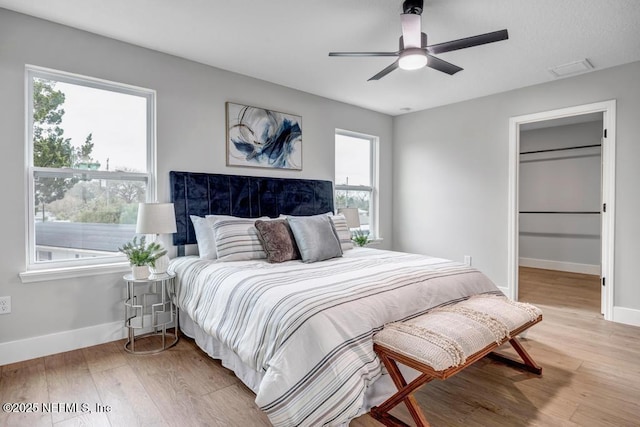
<point x="374" y="229"/>
<point x="36" y="271"/>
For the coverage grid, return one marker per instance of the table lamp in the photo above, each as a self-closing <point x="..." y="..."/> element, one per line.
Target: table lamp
<point x="352" y="216"/>
<point x="157" y="218"/>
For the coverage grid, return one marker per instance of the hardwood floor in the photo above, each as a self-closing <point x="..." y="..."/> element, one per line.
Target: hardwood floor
<point x="591" y="369"/>
<point x="181" y="386"/>
<point x="591" y="377"/>
<point x="560" y="289"/>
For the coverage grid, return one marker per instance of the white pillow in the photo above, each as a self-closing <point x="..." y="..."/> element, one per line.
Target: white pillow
<point x="237" y="239"/>
<point x="204" y="235"/>
<point x="344" y="234"/>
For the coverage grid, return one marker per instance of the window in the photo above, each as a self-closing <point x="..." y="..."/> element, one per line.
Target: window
<point x="90" y="148"/>
<point x="356" y="177"/>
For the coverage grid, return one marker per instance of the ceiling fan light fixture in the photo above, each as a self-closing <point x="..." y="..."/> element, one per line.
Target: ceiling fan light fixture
<point x="415" y="53"/>
<point x="412" y="59"/>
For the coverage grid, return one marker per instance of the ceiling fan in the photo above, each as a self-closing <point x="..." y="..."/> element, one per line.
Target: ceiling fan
<point x="414" y="52"/>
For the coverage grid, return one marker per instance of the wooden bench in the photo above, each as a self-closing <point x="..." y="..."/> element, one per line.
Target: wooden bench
<point x="446" y="340"/>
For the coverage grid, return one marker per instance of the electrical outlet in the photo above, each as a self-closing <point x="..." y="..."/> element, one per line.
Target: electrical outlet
<point x="467" y="260"/>
<point x="5" y="305"/>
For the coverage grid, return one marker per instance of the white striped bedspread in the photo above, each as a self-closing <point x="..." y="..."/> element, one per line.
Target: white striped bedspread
<point x="309" y="327"/>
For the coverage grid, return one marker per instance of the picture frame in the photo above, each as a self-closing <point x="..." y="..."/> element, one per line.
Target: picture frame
<point x="263" y="138"/>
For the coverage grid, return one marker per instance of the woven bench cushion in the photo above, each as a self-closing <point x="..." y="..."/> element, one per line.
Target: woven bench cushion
<point x="446" y="336"/>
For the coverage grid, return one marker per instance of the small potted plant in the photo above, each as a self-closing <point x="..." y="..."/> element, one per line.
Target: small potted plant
<point x="360" y="238"/>
<point x="142" y="255"/>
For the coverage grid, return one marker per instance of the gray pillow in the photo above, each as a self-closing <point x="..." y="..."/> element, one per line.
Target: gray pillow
<point x="316" y="237"/>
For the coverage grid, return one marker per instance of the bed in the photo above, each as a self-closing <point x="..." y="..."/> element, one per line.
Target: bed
<point x="299" y="334"/>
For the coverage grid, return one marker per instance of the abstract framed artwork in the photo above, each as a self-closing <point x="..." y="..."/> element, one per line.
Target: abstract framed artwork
<point x="258" y="137"/>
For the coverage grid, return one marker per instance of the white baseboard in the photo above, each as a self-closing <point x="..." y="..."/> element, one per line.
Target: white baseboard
<point x="628" y="316"/>
<point x="44" y="345"/>
<point x="571" y="267"/>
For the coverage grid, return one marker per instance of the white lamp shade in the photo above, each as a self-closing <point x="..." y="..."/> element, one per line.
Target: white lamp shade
<point x="352" y="215"/>
<point x="156" y="218"/>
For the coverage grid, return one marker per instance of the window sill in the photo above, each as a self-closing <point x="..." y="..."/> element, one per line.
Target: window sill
<point x="45" y="275"/>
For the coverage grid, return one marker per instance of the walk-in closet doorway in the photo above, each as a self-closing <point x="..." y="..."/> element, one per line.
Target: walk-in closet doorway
<point x="561" y="198"/>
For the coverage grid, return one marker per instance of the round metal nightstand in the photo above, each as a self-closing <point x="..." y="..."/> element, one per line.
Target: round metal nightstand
<point x="148" y="311"/>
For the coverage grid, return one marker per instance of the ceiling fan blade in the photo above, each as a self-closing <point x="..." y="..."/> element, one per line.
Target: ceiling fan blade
<point x="411" y="32"/>
<point x="440" y="65"/>
<point x="384" y="72"/>
<point x="360" y="54"/>
<point x="495" y="36"/>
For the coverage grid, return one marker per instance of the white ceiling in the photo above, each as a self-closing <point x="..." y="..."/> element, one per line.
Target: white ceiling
<point x="287" y="41"/>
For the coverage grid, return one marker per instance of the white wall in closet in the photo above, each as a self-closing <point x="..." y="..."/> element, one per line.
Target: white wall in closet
<point x="561" y="181"/>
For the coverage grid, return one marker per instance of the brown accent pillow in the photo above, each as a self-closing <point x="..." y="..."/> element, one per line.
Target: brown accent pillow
<point x="277" y="240"/>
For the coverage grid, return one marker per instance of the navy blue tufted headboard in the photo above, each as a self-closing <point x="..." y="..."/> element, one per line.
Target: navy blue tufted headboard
<point x="244" y="196"/>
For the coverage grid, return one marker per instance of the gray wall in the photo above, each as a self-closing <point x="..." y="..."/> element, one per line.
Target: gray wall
<point x="190" y="135"/>
<point x="450" y="173"/>
<point x="561" y="181"/>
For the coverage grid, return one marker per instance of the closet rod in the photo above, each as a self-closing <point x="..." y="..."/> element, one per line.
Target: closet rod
<point x="561" y="149"/>
<point x="560" y="212"/>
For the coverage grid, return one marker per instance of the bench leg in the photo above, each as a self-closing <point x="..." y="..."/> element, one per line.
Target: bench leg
<point x="404" y="393"/>
<point x="381" y="413"/>
<point x="527" y="362"/>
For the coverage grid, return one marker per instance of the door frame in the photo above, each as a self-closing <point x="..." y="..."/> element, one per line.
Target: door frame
<point x="608" y="108"/>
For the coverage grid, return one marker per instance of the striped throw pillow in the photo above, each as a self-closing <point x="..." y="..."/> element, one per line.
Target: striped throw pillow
<point x="340" y="224"/>
<point x="237" y="240"/>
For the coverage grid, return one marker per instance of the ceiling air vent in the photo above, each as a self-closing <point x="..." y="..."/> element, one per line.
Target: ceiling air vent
<point x="571" y="68"/>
